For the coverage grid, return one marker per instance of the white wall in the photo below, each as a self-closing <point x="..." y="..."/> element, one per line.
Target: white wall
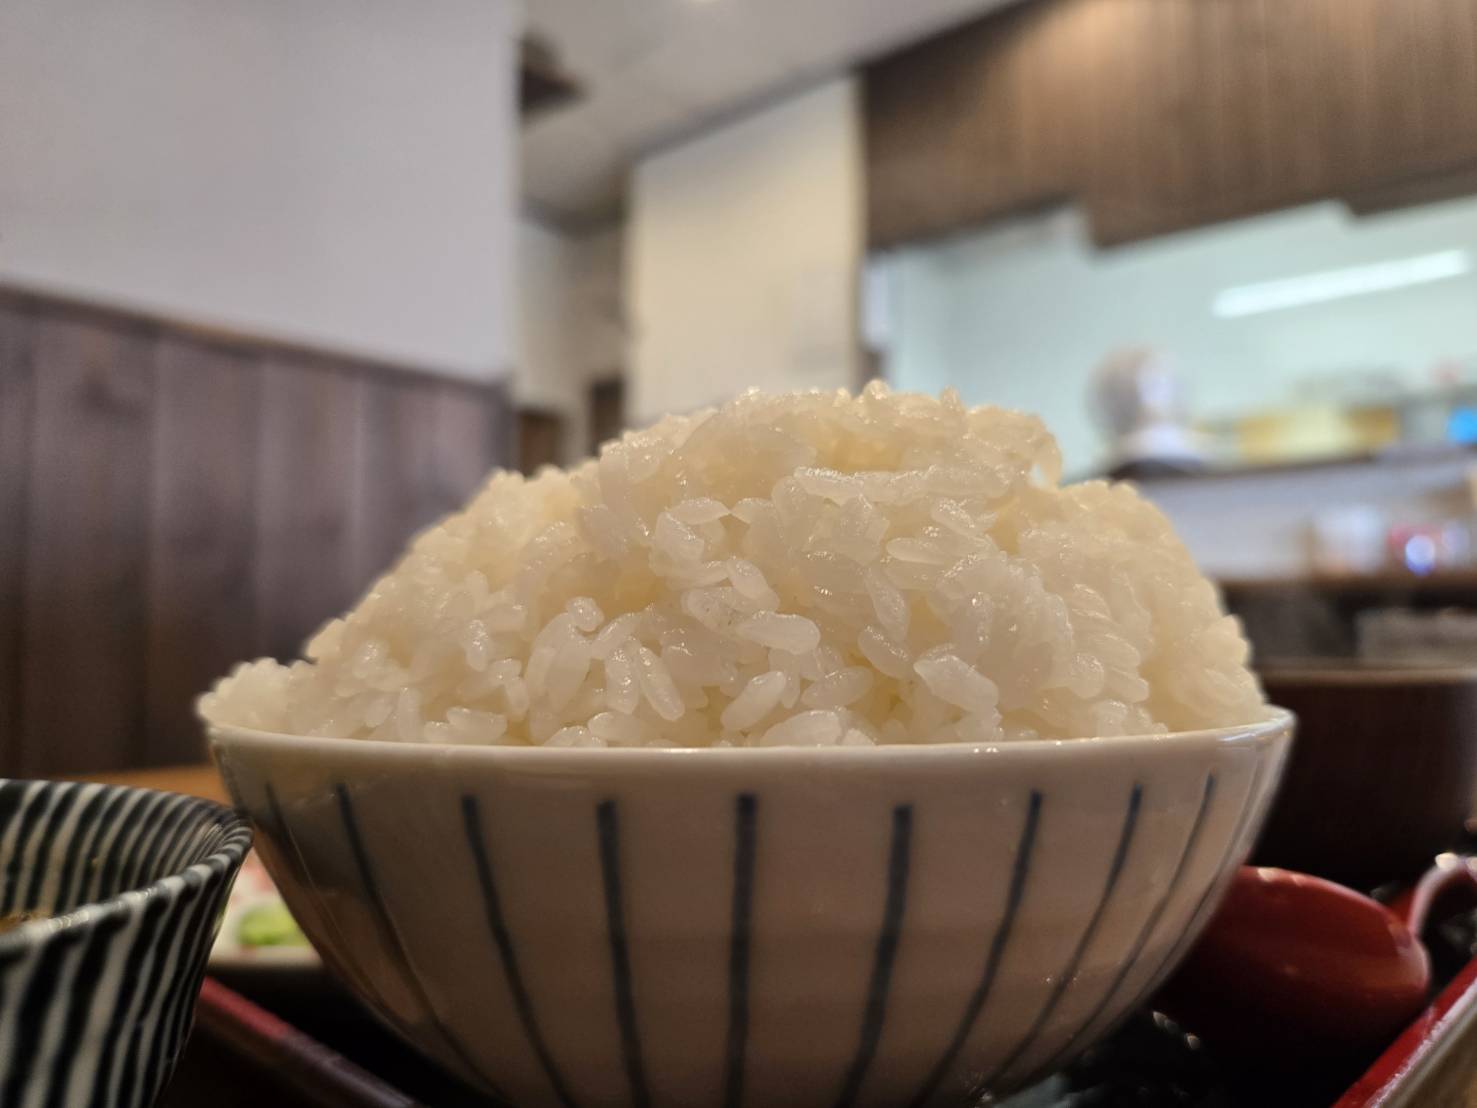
<point x="548" y="373"/>
<point x="571" y="322"/>
<point x="1021" y="315"/>
<point x="338" y="172"/>
<point x="601" y="292"/>
<point x="744" y="251"/>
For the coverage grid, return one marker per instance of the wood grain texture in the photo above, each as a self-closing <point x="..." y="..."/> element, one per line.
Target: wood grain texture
<point x="1157" y="115"/>
<point x="473" y="436"/>
<point x="540" y="439"/>
<point x="1299" y="65"/>
<point x="173" y="501"/>
<point x="307" y="464"/>
<point x="83" y="625"/>
<point x="198" y="779"/>
<point x="607" y="401"/>
<point x="1382" y="775"/>
<point x="17" y="379"/>
<point x="397" y="490"/>
<point x="424" y="450"/>
<point x="201" y="610"/>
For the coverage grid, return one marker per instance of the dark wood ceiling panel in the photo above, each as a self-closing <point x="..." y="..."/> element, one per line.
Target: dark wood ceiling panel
<point x="1157" y="115"/>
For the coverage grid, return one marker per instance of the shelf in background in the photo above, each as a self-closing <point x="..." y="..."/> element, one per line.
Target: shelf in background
<point x="1454" y="581"/>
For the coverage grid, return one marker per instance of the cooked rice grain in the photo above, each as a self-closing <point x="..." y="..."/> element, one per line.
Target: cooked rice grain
<point x="812" y="569"/>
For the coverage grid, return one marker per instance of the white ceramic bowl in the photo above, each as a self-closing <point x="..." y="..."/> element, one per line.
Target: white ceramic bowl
<point x="891" y="926"/>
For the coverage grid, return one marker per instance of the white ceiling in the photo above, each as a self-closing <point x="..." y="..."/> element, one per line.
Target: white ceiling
<point x="655" y="70"/>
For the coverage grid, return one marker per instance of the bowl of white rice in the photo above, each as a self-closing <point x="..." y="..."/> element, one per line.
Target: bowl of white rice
<point x="816" y="749"/>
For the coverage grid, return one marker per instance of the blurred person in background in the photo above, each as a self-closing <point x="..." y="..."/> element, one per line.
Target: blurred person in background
<point x="1138" y="399"/>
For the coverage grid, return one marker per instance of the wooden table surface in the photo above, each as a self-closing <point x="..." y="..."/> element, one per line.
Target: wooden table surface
<point x="202" y="781"/>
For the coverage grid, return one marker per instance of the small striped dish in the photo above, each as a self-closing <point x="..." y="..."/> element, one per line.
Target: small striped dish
<point x="834" y="927"/>
<point x="97" y="997"/>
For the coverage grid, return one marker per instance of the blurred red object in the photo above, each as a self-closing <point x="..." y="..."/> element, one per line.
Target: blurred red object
<point x="315" y="1073"/>
<point x="1297" y="968"/>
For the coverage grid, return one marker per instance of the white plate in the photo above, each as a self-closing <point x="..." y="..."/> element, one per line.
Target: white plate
<point x="253" y="889"/>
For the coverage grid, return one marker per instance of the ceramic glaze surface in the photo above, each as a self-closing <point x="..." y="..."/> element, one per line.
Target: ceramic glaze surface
<point x="97" y="999"/>
<point x="832" y="927"/>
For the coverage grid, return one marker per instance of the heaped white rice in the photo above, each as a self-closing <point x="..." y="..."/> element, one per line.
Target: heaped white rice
<point x="810" y="569"/>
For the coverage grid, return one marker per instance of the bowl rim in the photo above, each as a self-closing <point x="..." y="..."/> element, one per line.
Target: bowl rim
<point x="1252" y="733"/>
<point x="219" y="864"/>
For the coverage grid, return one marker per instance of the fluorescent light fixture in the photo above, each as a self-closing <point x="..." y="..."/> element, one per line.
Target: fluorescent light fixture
<point x="1336" y="284"/>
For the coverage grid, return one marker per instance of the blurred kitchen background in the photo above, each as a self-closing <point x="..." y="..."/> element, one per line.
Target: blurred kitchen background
<point x="280" y="282"/>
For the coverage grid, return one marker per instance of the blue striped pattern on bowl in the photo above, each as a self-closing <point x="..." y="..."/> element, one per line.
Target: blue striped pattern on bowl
<point x="97" y="998"/>
<point x="844" y="928"/>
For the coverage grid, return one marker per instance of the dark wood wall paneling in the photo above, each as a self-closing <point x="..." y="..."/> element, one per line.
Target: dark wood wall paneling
<point x="84" y="587"/>
<point x="607" y="407"/>
<point x="17" y="397"/>
<point x="540" y="439"/>
<point x="201" y="596"/>
<point x="1158" y="115"/>
<point x="172" y="502"/>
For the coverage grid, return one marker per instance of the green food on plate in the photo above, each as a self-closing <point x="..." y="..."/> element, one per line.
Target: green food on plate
<point x="269" y="925"/>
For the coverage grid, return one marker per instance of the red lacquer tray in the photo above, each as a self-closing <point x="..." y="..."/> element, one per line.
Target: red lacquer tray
<point x="1432" y="1063"/>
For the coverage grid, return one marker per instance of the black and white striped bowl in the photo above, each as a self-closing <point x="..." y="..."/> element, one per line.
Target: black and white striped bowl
<point x="685" y="928"/>
<point x="96" y="1000"/>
